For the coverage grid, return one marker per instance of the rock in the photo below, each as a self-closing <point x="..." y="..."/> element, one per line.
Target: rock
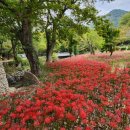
<point x="31" y="78"/>
<point x="12" y="89"/>
<point x="18" y="75"/>
<point x="4" y="87"/>
<point x="11" y="79"/>
<point x="15" y="77"/>
<point x="22" y="78"/>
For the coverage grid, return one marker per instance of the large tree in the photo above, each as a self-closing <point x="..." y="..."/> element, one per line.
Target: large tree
<point x="22" y="15"/>
<point x="70" y="31"/>
<point x="125" y="20"/>
<point x="125" y="28"/>
<point x="92" y="41"/>
<point x="105" y="29"/>
<point x="81" y="11"/>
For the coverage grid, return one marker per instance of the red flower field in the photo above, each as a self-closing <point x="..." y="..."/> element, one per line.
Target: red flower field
<point x="79" y="94"/>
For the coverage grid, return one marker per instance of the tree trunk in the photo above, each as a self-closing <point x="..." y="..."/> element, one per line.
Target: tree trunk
<point x="71" y="44"/>
<point x="75" y="50"/>
<point x="49" y="52"/>
<point x="111" y="50"/>
<point x="70" y="50"/>
<point x="91" y="49"/>
<point x="14" y="44"/>
<point x="26" y="40"/>
<point x="51" y="42"/>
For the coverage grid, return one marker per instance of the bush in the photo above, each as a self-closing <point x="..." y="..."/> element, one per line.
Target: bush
<point x="54" y="56"/>
<point x="10" y="67"/>
<point x="128" y="48"/>
<point x="117" y="48"/>
<point x="123" y="48"/>
<point x="23" y="61"/>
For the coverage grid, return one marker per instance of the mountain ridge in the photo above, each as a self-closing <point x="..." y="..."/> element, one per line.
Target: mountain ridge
<point x="115" y="15"/>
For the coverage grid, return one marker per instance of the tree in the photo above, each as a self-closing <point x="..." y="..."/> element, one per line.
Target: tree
<point x="72" y="42"/>
<point x="55" y="10"/>
<point x="92" y="41"/>
<point x="125" y="20"/>
<point x="108" y="32"/>
<point x="124" y="28"/>
<point x="39" y="42"/>
<point x="70" y="32"/>
<point x="23" y="15"/>
<point x="81" y="11"/>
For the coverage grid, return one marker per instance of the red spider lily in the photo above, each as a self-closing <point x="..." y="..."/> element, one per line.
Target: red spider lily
<point x="78" y="95"/>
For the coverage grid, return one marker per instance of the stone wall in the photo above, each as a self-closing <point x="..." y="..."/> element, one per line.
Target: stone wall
<point x="4" y="87"/>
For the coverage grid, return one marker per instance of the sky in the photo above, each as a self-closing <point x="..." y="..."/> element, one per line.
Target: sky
<point x="105" y="7"/>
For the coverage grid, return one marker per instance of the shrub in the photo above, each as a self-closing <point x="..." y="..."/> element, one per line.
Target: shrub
<point x="128" y="48"/>
<point x="54" y="56"/>
<point x="117" y="48"/>
<point x="123" y="48"/>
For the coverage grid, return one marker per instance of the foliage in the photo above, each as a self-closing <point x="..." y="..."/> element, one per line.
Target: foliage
<point x="39" y="42"/>
<point x="124" y="28"/>
<point x="57" y="21"/>
<point x="22" y="17"/>
<point x="124" y="34"/>
<point x="71" y="33"/>
<point x="44" y="17"/>
<point x="92" y="40"/>
<point x="125" y="20"/>
<point x="108" y="32"/>
<point x="54" y="56"/>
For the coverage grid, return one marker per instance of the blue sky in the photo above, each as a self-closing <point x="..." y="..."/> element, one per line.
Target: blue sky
<point x="105" y="7"/>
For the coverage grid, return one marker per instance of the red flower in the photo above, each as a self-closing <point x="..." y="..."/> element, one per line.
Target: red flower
<point x="1" y="123"/>
<point x="13" y="115"/>
<point x="78" y="128"/>
<point x="113" y="124"/>
<point x="88" y="128"/>
<point x="38" y="103"/>
<point x="127" y="110"/>
<point x="127" y="128"/>
<point x="48" y="120"/>
<point x="19" y="108"/>
<point x="82" y="114"/>
<point x="62" y="128"/>
<point x="70" y="117"/>
<point x="102" y="120"/>
<point x="36" y="123"/>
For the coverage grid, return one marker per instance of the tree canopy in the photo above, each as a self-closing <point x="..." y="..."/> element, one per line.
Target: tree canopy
<point x="125" y="28"/>
<point x="20" y="19"/>
<point x="92" y="41"/>
<point x="125" y="20"/>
